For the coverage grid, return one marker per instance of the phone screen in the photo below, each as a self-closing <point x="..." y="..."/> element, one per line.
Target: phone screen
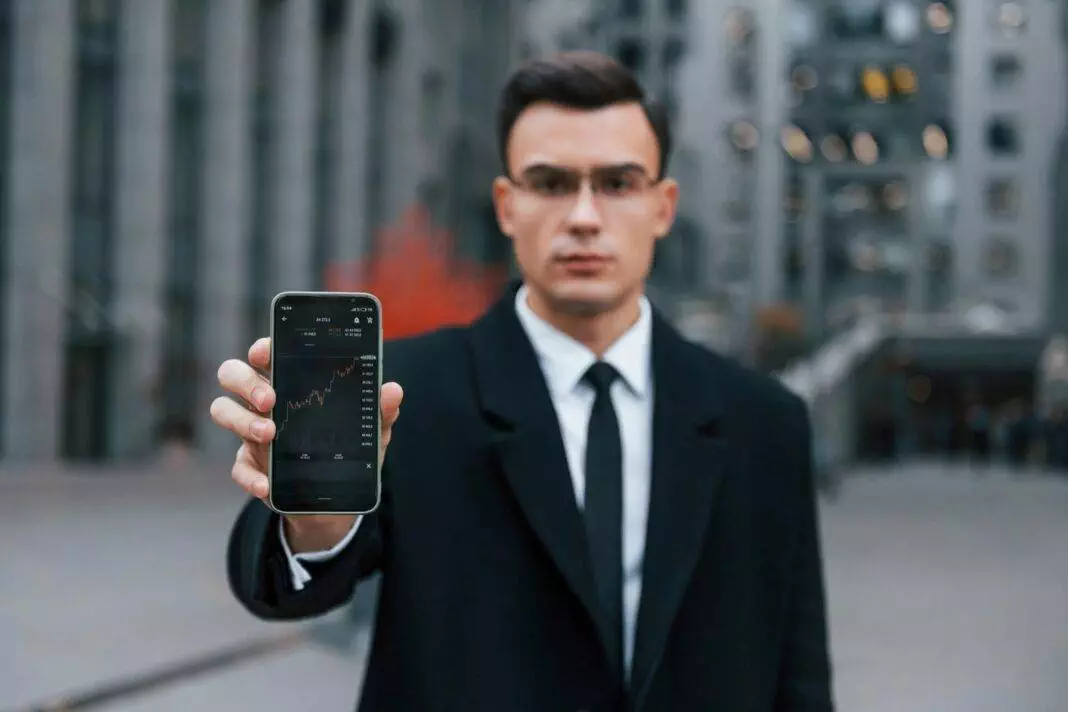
<point x="326" y="372"/>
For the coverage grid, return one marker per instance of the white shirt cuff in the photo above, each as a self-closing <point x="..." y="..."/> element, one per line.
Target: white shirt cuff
<point x="298" y="574"/>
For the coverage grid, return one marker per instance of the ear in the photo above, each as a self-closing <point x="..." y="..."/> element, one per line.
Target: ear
<point x="667" y="206"/>
<point x="503" y="199"/>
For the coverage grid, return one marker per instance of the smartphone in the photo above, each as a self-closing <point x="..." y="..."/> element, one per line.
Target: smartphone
<point x="326" y="369"/>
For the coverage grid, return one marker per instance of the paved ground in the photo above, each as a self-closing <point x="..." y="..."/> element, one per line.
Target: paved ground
<point x="948" y="592"/>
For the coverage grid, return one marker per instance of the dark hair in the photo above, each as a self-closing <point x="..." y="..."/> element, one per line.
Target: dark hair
<point x="578" y="79"/>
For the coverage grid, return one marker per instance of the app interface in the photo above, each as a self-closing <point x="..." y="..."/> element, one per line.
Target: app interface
<point x="326" y="380"/>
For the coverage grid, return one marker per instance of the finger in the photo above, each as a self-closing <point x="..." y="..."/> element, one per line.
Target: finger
<point x="239" y="420"/>
<point x="240" y="378"/>
<point x="259" y="355"/>
<point x="392" y="395"/>
<point x="250" y="479"/>
<point x="254" y="454"/>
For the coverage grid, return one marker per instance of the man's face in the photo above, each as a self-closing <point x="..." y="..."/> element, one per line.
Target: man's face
<point x="582" y="205"/>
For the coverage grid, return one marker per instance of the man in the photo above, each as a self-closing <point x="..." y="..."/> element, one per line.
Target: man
<point x="581" y="510"/>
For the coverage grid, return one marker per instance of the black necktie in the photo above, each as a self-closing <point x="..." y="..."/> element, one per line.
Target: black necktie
<point x="604" y="505"/>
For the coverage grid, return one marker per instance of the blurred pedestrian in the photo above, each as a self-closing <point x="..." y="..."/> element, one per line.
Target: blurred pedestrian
<point x="1019" y="432"/>
<point x="581" y="509"/>
<point x="1056" y="433"/>
<point x="979" y="427"/>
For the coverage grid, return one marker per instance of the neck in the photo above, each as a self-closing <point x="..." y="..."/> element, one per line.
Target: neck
<point x="597" y="332"/>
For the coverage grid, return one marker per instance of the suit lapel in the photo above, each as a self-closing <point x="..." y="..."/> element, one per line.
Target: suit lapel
<point x="686" y="471"/>
<point x="527" y="442"/>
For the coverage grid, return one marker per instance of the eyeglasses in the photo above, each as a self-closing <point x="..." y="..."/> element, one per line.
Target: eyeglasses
<point x="564" y="184"/>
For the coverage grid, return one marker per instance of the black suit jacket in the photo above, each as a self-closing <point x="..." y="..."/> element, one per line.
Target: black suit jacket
<point x="487" y="600"/>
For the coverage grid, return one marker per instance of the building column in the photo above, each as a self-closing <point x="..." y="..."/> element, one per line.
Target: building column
<point x="292" y="150"/>
<point x="223" y="256"/>
<point x="349" y="239"/>
<point x="767" y="257"/>
<point x="140" y="227"/>
<point x="405" y="155"/>
<point x="38" y="229"/>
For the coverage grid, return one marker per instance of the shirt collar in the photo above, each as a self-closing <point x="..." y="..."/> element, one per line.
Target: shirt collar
<point x="564" y="360"/>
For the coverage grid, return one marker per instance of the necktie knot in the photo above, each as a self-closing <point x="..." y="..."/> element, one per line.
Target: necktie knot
<point x="601" y="376"/>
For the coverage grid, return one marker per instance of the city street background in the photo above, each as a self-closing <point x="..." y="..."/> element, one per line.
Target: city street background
<point x="874" y="210"/>
<point x="946" y="591"/>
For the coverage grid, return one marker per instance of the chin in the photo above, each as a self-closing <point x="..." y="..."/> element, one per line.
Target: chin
<point x="586" y="297"/>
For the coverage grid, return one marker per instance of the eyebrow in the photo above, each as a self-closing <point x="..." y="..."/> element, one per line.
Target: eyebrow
<point x="625" y="166"/>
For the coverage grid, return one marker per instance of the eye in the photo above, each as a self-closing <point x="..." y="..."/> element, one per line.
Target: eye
<point x="618" y="183"/>
<point x="551" y="183"/>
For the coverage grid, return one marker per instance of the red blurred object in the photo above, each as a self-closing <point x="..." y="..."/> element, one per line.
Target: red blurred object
<point x="421" y="284"/>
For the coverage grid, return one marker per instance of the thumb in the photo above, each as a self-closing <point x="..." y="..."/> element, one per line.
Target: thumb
<point x="392" y="395"/>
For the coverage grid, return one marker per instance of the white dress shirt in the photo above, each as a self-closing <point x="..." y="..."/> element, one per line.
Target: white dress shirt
<point x="563" y="362"/>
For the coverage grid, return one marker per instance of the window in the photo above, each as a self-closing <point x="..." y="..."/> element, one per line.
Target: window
<point x="631" y="55"/>
<point x="384" y="38"/>
<point x="1002" y="198"/>
<point x="631" y="9"/>
<point x="184" y="239"/>
<point x="1002" y="137"/>
<point x="855" y="20"/>
<point x="93" y="144"/>
<point x="268" y="15"/>
<point x="939" y="264"/>
<point x="937" y="140"/>
<point x="1005" y="70"/>
<point x="937" y="193"/>
<point x="676" y="9"/>
<point x="385" y="43"/>
<point x="939" y="258"/>
<point x="842" y="86"/>
<point x="940" y="17"/>
<point x="740" y="28"/>
<point x="674" y="49"/>
<point x="332" y="17"/>
<point x="1010" y="18"/>
<point x="901" y="20"/>
<point x="6" y="19"/>
<point x="1001" y="258"/>
<point x="93" y="157"/>
<point x="744" y="138"/>
<point x="740" y="24"/>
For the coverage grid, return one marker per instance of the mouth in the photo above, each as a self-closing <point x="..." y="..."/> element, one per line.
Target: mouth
<point x="583" y="259"/>
<point x="584" y="265"/>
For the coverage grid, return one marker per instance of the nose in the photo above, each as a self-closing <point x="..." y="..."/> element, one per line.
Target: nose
<point x="584" y="218"/>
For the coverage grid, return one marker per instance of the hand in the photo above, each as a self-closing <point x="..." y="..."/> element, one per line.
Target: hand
<point x="247" y="420"/>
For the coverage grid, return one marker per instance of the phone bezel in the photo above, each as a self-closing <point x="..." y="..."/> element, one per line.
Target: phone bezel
<point x="378" y="406"/>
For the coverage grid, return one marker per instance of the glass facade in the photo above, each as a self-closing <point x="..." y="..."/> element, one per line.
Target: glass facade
<point x="89" y="336"/>
<point x="184" y="228"/>
<point x="6" y="51"/>
<point x="257" y="318"/>
<point x="384" y="42"/>
<point x="332" y="17"/>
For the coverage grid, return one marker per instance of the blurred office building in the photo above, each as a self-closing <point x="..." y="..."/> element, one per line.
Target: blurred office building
<point x="167" y="166"/>
<point x="872" y="197"/>
<point x="875" y="192"/>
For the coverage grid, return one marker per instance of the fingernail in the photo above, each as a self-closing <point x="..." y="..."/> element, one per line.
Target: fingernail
<point x="259" y="429"/>
<point x="259" y="395"/>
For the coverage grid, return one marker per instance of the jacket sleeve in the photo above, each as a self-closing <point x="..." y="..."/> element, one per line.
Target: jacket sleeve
<point x="259" y="574"/>
<point x="804" y="683"/>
